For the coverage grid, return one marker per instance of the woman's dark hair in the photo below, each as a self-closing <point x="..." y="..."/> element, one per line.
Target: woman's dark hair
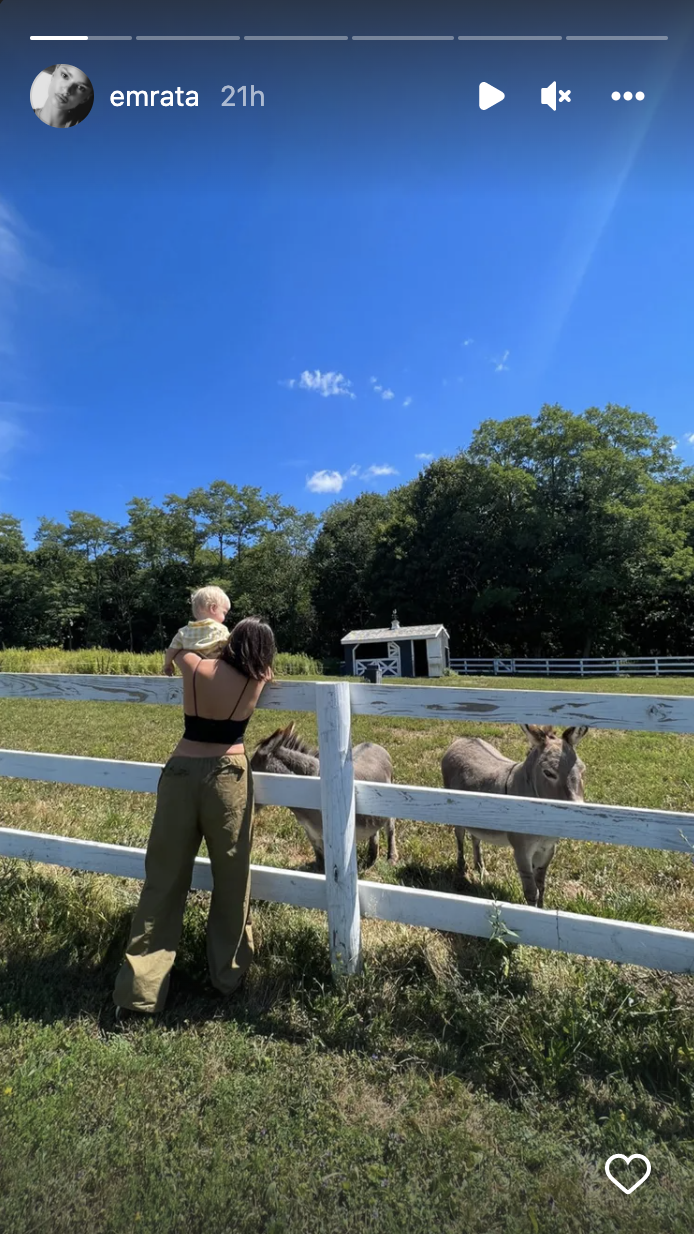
<point x="251" y="648"/>
<point x="81" y="113"/>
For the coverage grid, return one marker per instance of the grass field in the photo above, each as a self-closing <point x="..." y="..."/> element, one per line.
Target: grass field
<point x="457" y="1085"/>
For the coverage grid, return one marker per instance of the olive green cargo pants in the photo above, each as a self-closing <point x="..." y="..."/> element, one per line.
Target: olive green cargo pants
<point x="196" y="798"/>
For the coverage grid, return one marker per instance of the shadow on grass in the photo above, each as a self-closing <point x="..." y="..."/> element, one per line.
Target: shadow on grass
<point x="364" y="866"/>
<point x="449" y="1005"/>
<point x="447" y="878"/>
<point x="62" y="951"/>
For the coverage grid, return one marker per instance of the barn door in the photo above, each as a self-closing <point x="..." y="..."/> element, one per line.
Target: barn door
<point x="394" y="657"/>
<point x="435" y="657"/>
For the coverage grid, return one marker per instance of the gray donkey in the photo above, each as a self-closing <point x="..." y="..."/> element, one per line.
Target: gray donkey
<point x="284" y="753"/>
<point x="552" y="769"/>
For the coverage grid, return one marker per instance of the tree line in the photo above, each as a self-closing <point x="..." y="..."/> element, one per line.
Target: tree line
<point x="560" y="535"/>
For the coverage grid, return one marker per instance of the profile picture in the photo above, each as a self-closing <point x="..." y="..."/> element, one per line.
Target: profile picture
<point x="62" y="96"/>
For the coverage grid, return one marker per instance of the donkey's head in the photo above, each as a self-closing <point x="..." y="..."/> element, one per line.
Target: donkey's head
<point x="552" y="765"/>
<point x="284" y="753"/>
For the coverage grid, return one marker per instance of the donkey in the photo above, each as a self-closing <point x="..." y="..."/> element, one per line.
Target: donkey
<point x="284" y="753"/>
<point x="551" y="769"/>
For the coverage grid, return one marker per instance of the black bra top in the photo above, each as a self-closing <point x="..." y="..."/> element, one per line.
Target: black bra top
<point x="216" y="732"/>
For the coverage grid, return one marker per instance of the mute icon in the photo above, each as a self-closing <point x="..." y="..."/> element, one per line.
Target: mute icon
<point x="548" y="95"/>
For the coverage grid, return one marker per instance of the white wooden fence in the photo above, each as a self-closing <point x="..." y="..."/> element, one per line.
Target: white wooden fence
<point x="605" y="666"/>
<point x="389" y="666"/>
<point x="339" y="892"/>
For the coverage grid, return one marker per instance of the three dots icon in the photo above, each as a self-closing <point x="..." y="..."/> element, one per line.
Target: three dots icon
<point x="628" y="96"/>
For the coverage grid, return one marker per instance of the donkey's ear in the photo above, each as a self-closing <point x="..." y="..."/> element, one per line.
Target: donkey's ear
<point x="273" y="742"/>
<point x="288" y="731"/>
<point x="574" y="734"/>
<point x="535" y="733"/>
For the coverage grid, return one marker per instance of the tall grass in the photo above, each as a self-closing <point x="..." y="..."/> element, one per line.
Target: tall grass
<point x="125" y="663"/>
<point x="297" y="665"/>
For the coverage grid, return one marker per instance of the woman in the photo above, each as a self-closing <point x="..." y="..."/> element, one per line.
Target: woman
<point x="70" y="97"/>
<point x="205" y="790"/>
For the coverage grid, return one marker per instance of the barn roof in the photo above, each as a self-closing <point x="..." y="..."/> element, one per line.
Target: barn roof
<point x="389" y="634"/>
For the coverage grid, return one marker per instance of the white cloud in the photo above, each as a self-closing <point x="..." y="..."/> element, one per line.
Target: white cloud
<point x="690" y="438"/>
<point x="428" y="457"/>
<point x="467" y="342"/>
<point x="10" y="436"/>
<point x="331" y="481"/>
<point x="12" y="260"/>
<point x="325" y="482"/>
<point x="406" y="402"/>
<point x="378" y="388"/>
<point x="17" y="270"/>
<point x="13" y="271"/>
<point x="377" y="469"/>
<point x="501" y="365"/>
<point x="325" y="384"/>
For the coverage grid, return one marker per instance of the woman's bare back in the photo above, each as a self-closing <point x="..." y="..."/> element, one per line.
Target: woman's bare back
<point x="216" y="691"/>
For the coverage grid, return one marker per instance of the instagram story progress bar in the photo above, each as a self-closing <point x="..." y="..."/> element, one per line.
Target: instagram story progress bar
<point x="343" y="38"/>
<point x="80" y="38"/>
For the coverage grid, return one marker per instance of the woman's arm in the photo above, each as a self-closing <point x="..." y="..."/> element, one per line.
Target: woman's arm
<point x="260" y="685"/>
<point x="187" y="660"/>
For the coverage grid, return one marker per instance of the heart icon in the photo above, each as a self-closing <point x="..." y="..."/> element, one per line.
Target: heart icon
<point x="627" y="1161"/>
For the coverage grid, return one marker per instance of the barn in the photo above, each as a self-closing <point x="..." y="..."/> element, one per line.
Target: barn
<point x="398" y="651"/>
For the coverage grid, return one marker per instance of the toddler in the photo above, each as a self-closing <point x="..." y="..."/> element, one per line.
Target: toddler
<point x="206" y="634"/>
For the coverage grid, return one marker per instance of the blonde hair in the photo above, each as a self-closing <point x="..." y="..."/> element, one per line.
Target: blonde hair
<point x="205" y="598"/>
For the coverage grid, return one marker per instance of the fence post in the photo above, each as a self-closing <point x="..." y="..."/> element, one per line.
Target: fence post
<point x="333" y="713"/>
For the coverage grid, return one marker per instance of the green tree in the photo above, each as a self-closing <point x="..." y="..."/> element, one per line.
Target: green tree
<point x="271" y="578"/>
<point x="459" y="549"/>
<point x="341" y="564"/>
<point x="217" y="505"/>
<point x="594" y="474"/>
<point x="162" y="595"/>
<point x="13" y="547"/>
<point x="125" y="583"/>
<point x="22" y="607"/>
<point x="64" y="584"/>
<point x="89" y="536"/>
<point x="249" y="513"/>
<point x="185" y="531"/>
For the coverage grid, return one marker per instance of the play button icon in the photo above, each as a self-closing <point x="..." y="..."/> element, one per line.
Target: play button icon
<point x="489" y="95"/>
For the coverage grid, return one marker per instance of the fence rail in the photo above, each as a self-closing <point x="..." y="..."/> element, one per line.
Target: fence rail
<point x="341" y="894"/>
<point x="648" y="946"/>
<point x="606" y="666"/>
<point x="642" y="712"/>
<point x="623" y="825"/>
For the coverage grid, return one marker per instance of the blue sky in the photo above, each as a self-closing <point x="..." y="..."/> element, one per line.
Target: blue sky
<point x="317" y="295"/>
